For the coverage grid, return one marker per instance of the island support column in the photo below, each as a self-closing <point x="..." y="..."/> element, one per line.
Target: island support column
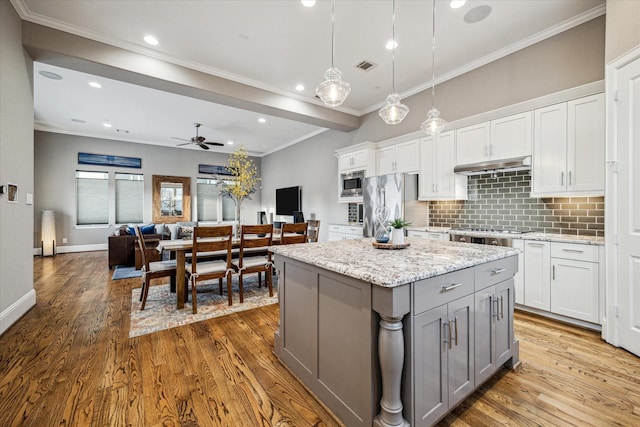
<point x="392" y="304"/>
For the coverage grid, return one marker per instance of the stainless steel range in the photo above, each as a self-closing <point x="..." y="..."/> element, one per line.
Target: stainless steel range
<point x="484" y="236"/>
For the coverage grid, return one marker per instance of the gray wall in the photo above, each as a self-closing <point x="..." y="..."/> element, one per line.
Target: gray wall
<point x="56" y="161"/>
<point x="16" y="166"/>
<point x="623" y="27"/>
<point x="572" y="58"/>
<point x="312" y="165"/>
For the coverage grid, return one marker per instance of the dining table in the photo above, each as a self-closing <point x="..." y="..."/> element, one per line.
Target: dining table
<point x="180" y="247"/>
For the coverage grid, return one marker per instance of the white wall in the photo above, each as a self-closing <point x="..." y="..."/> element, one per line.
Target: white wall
<point x="16" y="166"/>
<point x="623" y="27"/>
<point x="56" y="161"/>
<point x="312" y="165"/>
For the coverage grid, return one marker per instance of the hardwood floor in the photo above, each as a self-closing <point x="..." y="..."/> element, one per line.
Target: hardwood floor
<point x="69" y="361"/>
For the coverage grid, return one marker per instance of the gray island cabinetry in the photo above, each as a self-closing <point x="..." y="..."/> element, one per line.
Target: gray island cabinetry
<point x="395" y="337"/>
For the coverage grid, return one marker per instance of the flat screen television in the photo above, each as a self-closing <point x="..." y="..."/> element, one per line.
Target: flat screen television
<point x="287" y="200"/>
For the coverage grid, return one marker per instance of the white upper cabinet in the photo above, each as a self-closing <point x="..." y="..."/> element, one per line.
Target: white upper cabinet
<point x="403" y="157"/>
<point x="504" y="138"/>
<point x="472" y="143"/>
<point x="356" y="158"/>
<point x="568" y="148"/>
<point x="437" y="180"/>
<point x="511" y="136"/>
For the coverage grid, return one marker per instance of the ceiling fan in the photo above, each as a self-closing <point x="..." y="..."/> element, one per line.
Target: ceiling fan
<point x="198" y="140"/>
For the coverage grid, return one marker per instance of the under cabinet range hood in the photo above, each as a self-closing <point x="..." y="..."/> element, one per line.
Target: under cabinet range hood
<point x="504" y="165"/>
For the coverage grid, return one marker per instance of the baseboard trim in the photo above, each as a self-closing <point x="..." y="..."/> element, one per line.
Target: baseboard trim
<point x="559" y="317"/>
<point x="16" y="310"/>
<point x="76" y="248"/>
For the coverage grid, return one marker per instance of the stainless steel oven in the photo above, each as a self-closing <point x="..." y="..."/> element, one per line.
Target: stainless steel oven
<point x="351" y="184"/>
<point x="495" y="241"/>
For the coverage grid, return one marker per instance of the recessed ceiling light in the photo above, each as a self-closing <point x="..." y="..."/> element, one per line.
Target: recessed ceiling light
<point x="107" y="125"/>
<point x="50" y="75"/>
<point x="78" y="120"/>
<point x="262" y="120"/>
<point x="299" y="87"/>
<point x="391" y="44"/>
<point x="456" y="4"/>
<point x="95" y="84"/>
<point x="308" y="3"/>
<point x="229" y="142"/>
<point x="151" y="40"/>
<point x="477" y="14"/>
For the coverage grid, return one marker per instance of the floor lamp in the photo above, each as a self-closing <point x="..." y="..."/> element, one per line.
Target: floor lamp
<point x="48" y="233"/>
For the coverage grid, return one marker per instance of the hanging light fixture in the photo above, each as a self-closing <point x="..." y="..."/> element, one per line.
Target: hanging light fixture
<point x="393" y="111"/>
<point x="434" y="123"/>
<point x="333" y="91"/>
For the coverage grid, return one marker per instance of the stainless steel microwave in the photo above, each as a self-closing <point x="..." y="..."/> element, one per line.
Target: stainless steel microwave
<point x="351" y="184"/>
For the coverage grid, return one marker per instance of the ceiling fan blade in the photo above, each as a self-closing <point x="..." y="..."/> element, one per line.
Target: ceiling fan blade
<point x="200" y="139"/>
<point x="181" y="139"/>
<point x="217" y="144"/>
<point x="204" y="147"/>
<point x="184" y="143"/>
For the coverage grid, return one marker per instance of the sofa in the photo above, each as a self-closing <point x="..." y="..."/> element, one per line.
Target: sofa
<point x="122" y="245"/>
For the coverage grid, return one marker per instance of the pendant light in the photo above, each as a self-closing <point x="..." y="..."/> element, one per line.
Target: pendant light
<point x="434" y="123"/>
<point x="333" y="91"/>
<point x="393" y="111"/>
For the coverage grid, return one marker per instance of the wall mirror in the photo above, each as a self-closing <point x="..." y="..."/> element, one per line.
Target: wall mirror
<point x="171" y="199"/>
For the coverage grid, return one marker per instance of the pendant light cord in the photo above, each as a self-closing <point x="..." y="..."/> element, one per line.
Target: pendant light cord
<point x="333" y="31"/>
<point x="393" y="51"/>
<point x="433" y="59"/>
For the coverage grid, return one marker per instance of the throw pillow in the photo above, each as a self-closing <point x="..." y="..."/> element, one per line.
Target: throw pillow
<point x="148" y="229"/>
<point x="185" y="231"/>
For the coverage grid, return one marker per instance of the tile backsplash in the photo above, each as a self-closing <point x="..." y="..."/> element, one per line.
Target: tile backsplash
<point x="502" y="200"/>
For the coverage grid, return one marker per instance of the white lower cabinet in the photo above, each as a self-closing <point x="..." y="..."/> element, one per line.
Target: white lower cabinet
<point x="574" y="281"/>
<point x="537" y="274"/>
<point x="344" y="232"/>
<point x="518" y="279"/>
<point x="562" y="279"/>
<point x="428" y="235"/>
<point x="494" y="326"/>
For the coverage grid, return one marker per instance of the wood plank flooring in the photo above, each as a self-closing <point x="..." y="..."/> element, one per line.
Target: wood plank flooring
<point x="69" y="361"/>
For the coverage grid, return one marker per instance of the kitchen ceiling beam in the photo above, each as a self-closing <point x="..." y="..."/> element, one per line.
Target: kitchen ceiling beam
<point x="66" y="50"/>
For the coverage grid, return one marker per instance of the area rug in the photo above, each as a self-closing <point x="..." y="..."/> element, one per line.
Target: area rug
<point x="122" y="272"/>
<point x="160" y="311"/>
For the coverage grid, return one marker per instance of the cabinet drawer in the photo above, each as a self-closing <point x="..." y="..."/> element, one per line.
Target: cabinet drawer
<point x="574" y="251"/>
<point x="494" y="272"/>
<point x="430" y="293"/>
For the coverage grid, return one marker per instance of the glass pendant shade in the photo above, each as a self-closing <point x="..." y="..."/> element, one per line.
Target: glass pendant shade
<point x="393" y="111"/>
<point x="333" y="90"/>
<point x="434" y="123"/>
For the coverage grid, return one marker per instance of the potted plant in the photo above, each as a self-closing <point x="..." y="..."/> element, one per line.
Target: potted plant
<point x="397" y="234"/>
<point x="242" y="183"/>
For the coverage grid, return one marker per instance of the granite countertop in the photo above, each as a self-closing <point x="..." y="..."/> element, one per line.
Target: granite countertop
<point x="348" y="224"/>
<point x="549" y="237"/>
<point x="425" y="258"/>
<point x="428" y="228"/>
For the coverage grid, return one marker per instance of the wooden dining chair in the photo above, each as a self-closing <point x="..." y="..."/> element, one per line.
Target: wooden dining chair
<point x="152" y="270"/>
<point x="253" y="256"/>
<point x="294" y="233"/>
<point x="314" y="229"/>
<point x="208" y="240"/>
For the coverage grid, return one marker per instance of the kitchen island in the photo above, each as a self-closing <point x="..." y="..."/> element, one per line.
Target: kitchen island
<point x="395" y="337"/>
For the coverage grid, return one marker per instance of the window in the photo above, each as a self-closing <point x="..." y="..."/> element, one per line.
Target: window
<point x="92" y="198"/>
<point x="208" y="195"/>
<point x="129" y="198"/>
<point x="211" y="205"/>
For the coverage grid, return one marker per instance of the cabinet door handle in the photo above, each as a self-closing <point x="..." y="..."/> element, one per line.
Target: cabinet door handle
<point x="502" y="306"/>
<point x="450" y="287"/>
<point x="491" y="149"/>
<point x="569" y="177"/>
<point x="561" y="178"/>
<point x="486" y="150"/>
<point x="536" y="245"/>
<point x="450" y="340"/>
<point x="553" y="272"/>
<point x="498" y="270"/>
<point x="494" y="307"/>
<point x="573" y="250"/>
<point x="456" y="330"/>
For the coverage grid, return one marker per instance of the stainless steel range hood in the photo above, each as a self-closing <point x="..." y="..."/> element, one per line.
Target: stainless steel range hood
<point x="519" y="163"/>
